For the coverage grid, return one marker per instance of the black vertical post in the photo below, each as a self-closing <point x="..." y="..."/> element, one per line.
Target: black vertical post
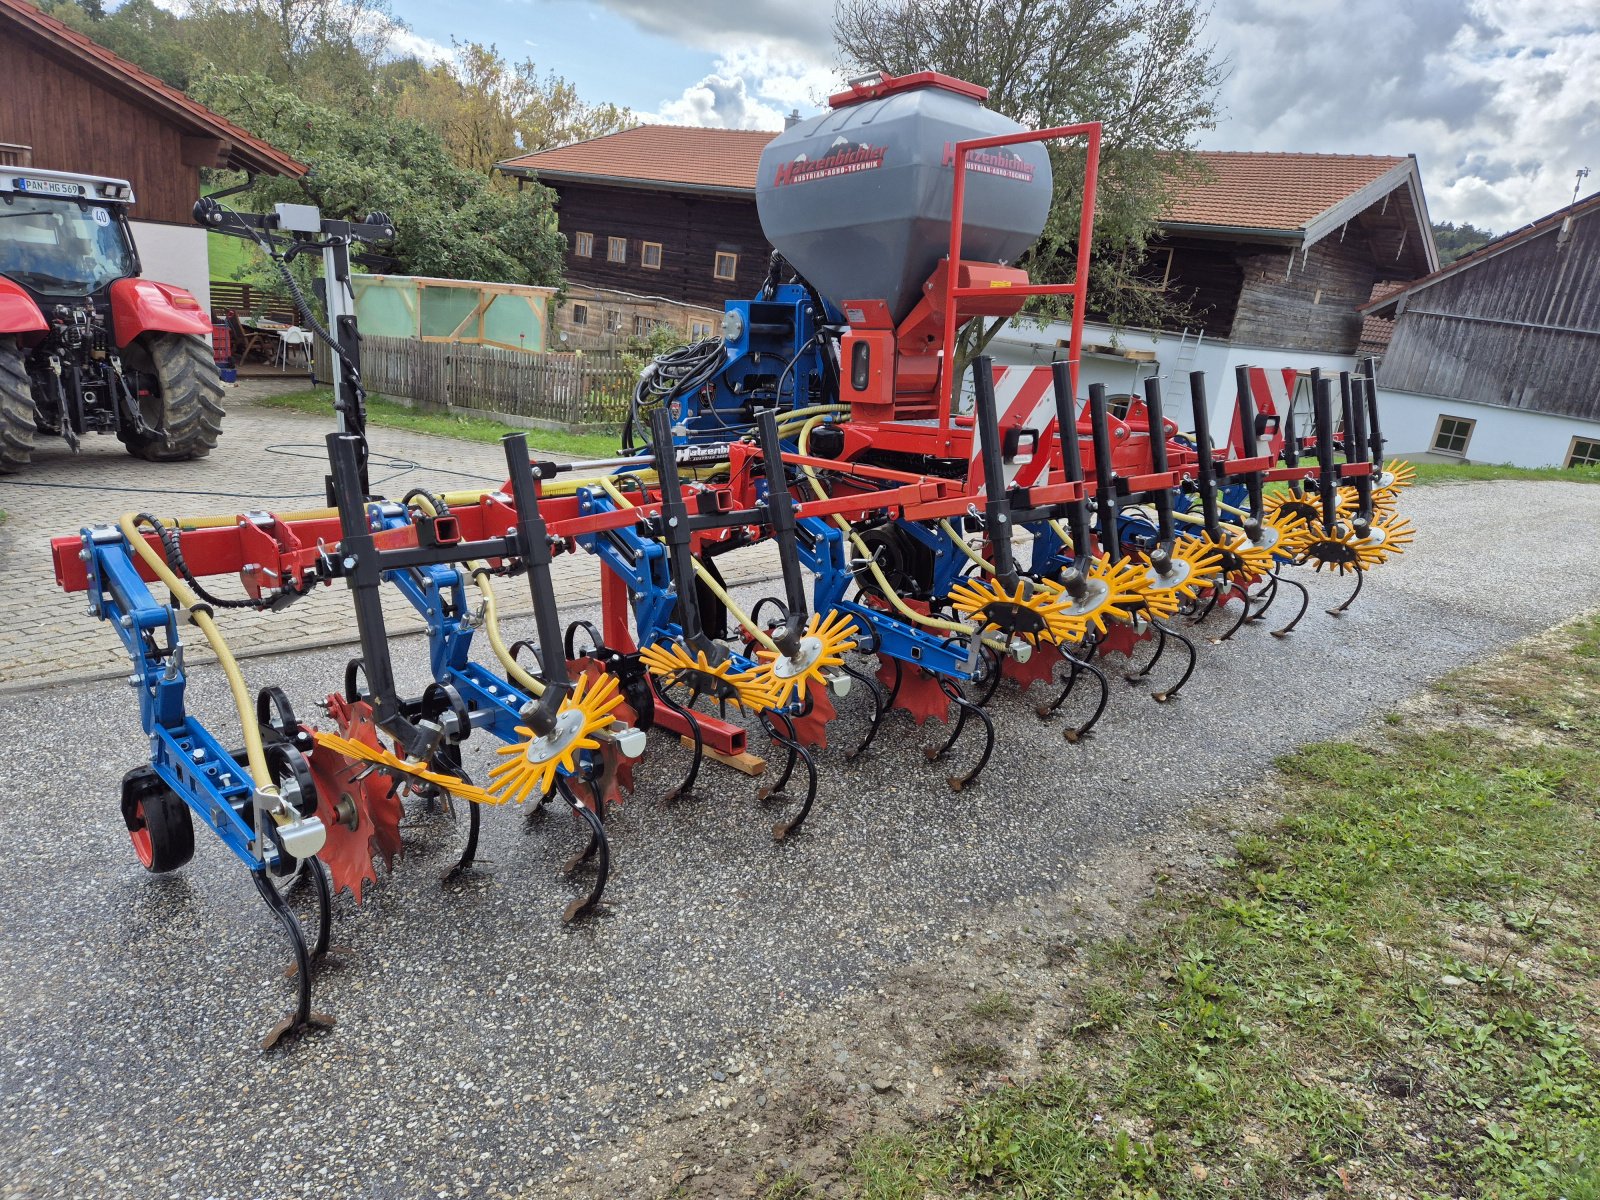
<point x="1158" y="459"/>
<point x="1205" y="470"/>
<point x="675" y="527"/>
<point x="996" y="510"/>
<point x="1249" y="446"/>
<point x="1105" y="492"/>
<point x="1071" y="457"/>
<point x="1373" y="432"/>
<point x="780" y="515"/>
<point x="1322" y="401"/>
<point x="1347" y="399"/>
<point x="1360" y="450"/>
<point x="533" y="544"/>
<point x="361" y="571"/>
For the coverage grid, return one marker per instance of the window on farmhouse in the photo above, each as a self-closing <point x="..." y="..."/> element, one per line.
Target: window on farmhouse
<point x="613" y="321"/>
<point x="616" y="249"/>
<point x="1452" y="435"/>
<point x="583" y="245"/>
<point x="580" y="314"/>
<point x="650" y="255"/>
<point x="1584" y="452"/>
<point x="699" y="330"/>
<point x="726" y="267"/>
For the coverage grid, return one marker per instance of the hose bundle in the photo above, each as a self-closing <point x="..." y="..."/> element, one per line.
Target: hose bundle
<point x="680" y="372"/>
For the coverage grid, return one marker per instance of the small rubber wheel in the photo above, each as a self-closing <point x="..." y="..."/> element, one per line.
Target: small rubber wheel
<point x="161" y="829"/>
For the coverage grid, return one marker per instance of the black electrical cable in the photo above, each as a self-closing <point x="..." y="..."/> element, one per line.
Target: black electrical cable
<point x="676" y="373"/>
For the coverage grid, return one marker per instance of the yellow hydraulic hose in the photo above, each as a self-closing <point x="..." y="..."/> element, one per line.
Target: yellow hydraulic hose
<point x="705" y="577"/>
<point x="878" y="576"/>
<point x="200" y="616"/>
<point x="972" y="555"/>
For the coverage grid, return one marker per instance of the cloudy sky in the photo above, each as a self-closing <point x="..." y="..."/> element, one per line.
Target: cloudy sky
<point x="1498" y="99"/>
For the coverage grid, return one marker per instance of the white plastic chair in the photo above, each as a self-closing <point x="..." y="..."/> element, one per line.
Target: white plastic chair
<point x="300" y="339"/>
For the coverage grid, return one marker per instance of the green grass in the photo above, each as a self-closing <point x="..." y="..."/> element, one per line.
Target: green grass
<point x="1475" y="472"/>
<point x="386" y="413"/>
<point x="1394" y="990"/>
<point x="228" y="255"/>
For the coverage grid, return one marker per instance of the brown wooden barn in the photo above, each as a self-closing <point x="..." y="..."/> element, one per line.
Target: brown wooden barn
<point x="69" y="104"/>
<point x="1497" y="356"/>
<point x="661" y="226"/>
<point x="1268" y="251"/>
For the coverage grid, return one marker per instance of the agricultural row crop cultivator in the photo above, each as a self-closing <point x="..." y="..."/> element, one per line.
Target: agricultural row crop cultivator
<point x="959" y="538"/>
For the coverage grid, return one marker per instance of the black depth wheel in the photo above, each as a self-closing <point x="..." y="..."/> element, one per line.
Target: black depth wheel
<point x="159" y="823"/>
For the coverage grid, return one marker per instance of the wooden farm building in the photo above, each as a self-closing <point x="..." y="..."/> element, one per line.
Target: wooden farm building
<point x="1497" y="356"/>
<point x="1271" y="254"/>
<point x="69" y="104"/>
<point x="661" y="227"/>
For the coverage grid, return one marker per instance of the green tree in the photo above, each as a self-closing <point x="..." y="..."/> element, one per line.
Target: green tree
<point x="1140" y="67"/>
<point x="487" y="109"/>
<point x="1454" y="240"/>
<point x="451" y="222"/>
<point x="146" y="35"/>
<point x="329" y="50"/>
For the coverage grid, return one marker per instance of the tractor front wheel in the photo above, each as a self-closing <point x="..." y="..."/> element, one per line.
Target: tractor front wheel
<point x="185" y="408"/>
<point x="16" y="409"/>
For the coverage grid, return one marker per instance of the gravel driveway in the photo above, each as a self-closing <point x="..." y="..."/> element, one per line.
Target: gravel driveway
<point x="480" y="1043"/>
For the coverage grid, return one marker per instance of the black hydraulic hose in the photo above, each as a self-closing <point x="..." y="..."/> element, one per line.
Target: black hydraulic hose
<point x="1105" y="496"/>
<point x="1159" y="463"/>
<point x="1205" y="469"/>
<point x="172" y="551"/>
<point x="1322" y="401"/>
<point x="997" y="510"/>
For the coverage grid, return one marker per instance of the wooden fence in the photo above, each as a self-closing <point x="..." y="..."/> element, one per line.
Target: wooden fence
<point x="247" y="300"/>
<point x="572" y="391"/>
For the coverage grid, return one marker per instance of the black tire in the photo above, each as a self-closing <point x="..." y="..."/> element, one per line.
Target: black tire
<point x="188" y="408"/>
<point x="158" y="822"/>
<point x="16" y="410"/>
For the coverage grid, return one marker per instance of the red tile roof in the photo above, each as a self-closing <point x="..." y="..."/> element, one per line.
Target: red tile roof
<point x="87" y="56"/>
<point x="1270" y="190"/>
<point x="1376" y="331"/>
<point x="1240" y="188"/>
<point x="671" y="154"/>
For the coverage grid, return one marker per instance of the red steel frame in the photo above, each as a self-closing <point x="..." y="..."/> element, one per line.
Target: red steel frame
<point x="1078" y="289"/>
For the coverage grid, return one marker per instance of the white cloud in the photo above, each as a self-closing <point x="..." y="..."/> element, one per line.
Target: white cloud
<point x="751" y="86"/>
<point x="1495" y="97"/>
<point x="404" y="42"/>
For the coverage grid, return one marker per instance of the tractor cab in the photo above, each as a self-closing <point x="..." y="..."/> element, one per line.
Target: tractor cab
<point x="65" y="239"/>
<point x="86" y="345"/>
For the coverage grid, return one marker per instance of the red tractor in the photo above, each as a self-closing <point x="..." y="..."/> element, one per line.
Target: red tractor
<point x="86" y="345"/>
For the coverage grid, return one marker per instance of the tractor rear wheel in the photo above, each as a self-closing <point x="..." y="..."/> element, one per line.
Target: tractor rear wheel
<point x="187" y="403"/>
<point x="16" y="409"/>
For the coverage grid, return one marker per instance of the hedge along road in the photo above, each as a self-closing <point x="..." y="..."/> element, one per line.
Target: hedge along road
<point x="480" y="1043"/>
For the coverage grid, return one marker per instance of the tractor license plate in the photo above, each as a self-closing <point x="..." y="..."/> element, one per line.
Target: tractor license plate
<point x="50" y="187"/>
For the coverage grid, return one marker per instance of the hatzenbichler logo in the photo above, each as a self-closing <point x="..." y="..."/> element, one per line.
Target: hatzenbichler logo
<point x="1000" y="161"/>
<point x="842" y="158"/>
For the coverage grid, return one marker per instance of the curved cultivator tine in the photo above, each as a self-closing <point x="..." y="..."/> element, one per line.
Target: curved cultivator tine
<point x="966" y="710"/>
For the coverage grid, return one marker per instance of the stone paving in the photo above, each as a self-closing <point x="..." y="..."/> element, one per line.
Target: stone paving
<point x="268" y="459"/>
